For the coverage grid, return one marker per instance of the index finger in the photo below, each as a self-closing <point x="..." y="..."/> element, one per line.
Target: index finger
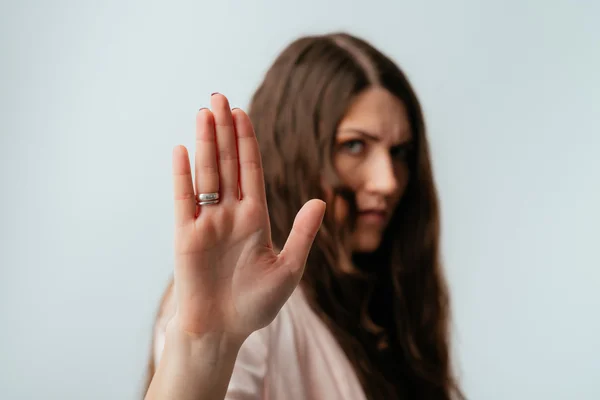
<point x="183" y="188"/>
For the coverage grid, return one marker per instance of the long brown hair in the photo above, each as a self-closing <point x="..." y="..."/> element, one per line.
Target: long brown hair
<point x="388" y="310"/>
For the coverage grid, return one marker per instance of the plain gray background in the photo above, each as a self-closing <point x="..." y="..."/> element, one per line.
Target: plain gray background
<point x="94" y="95"/>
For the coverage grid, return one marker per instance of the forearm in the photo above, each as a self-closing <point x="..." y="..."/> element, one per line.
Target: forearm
<point x="194" y="368"/>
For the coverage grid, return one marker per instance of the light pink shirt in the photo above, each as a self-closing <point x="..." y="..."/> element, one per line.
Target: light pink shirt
<point x="294" y="358"/>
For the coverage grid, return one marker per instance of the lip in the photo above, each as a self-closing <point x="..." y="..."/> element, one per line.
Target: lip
<point x="377" y="216"/>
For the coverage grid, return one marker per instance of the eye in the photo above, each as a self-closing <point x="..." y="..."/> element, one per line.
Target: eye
<point x="401" y="152"/>
<point x="354" y="146"/>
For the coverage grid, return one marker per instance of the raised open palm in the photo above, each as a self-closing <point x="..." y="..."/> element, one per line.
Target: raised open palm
<point x="228" y="278"/>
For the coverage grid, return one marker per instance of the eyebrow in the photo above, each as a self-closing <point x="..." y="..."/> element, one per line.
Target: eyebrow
<point x="373" y="137"/>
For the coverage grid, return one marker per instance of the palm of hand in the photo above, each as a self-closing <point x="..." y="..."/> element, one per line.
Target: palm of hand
<point x="228" y="279"/>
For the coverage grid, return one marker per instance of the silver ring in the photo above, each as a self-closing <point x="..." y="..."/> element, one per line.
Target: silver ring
<point x="205" y="203"/>
<point x="203" y="199"/>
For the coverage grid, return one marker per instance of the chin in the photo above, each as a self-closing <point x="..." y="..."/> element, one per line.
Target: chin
<point x="367" y="243"/>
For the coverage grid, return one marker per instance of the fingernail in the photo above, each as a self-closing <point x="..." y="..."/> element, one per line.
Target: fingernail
<point x="203" y="108"/>
<point x="235" y="108"/>
<point x="214" y="93"/>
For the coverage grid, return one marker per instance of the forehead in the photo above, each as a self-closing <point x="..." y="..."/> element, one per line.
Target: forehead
<point x="380" y="113"/>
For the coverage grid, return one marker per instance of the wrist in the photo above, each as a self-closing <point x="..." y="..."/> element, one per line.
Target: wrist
<point x="208" y="348"/>
<point x="194" y="366"/>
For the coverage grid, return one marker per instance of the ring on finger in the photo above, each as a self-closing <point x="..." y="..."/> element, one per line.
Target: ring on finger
<point x="207" y="198"/>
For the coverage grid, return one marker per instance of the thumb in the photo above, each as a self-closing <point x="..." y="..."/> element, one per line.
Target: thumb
<point x="305" y="228"/>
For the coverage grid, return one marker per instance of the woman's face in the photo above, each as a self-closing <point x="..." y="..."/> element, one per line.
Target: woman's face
<point x="371" y="146"/>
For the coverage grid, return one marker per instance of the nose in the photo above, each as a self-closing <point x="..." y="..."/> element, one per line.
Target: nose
<point x="381" y="177"/>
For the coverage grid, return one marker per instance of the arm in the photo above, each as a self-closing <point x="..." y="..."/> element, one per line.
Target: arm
<point x="194" y="367"/>
<point x="247" y="380"/>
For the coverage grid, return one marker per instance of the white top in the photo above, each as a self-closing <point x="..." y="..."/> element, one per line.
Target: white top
<point x="294" y="358"/>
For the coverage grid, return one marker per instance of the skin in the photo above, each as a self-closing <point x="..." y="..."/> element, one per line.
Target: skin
<point x="372" y="142"/>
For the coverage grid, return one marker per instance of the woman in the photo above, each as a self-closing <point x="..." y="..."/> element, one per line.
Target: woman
<point x="368" y="317"/>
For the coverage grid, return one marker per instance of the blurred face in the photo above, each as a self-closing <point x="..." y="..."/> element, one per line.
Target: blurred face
<point x="372" y="143"/>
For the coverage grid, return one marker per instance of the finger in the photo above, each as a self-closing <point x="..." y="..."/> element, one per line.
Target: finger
<point x="183" y="188"/>
<point x="252" y="181"/>
<point x="227" y="152"/>
<point x="207" y="169"/>
<point x="305" y="228"/>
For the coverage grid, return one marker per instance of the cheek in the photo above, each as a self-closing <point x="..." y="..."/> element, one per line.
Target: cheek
<point x="341" y="209"/>
<point x="348" y="169"/>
